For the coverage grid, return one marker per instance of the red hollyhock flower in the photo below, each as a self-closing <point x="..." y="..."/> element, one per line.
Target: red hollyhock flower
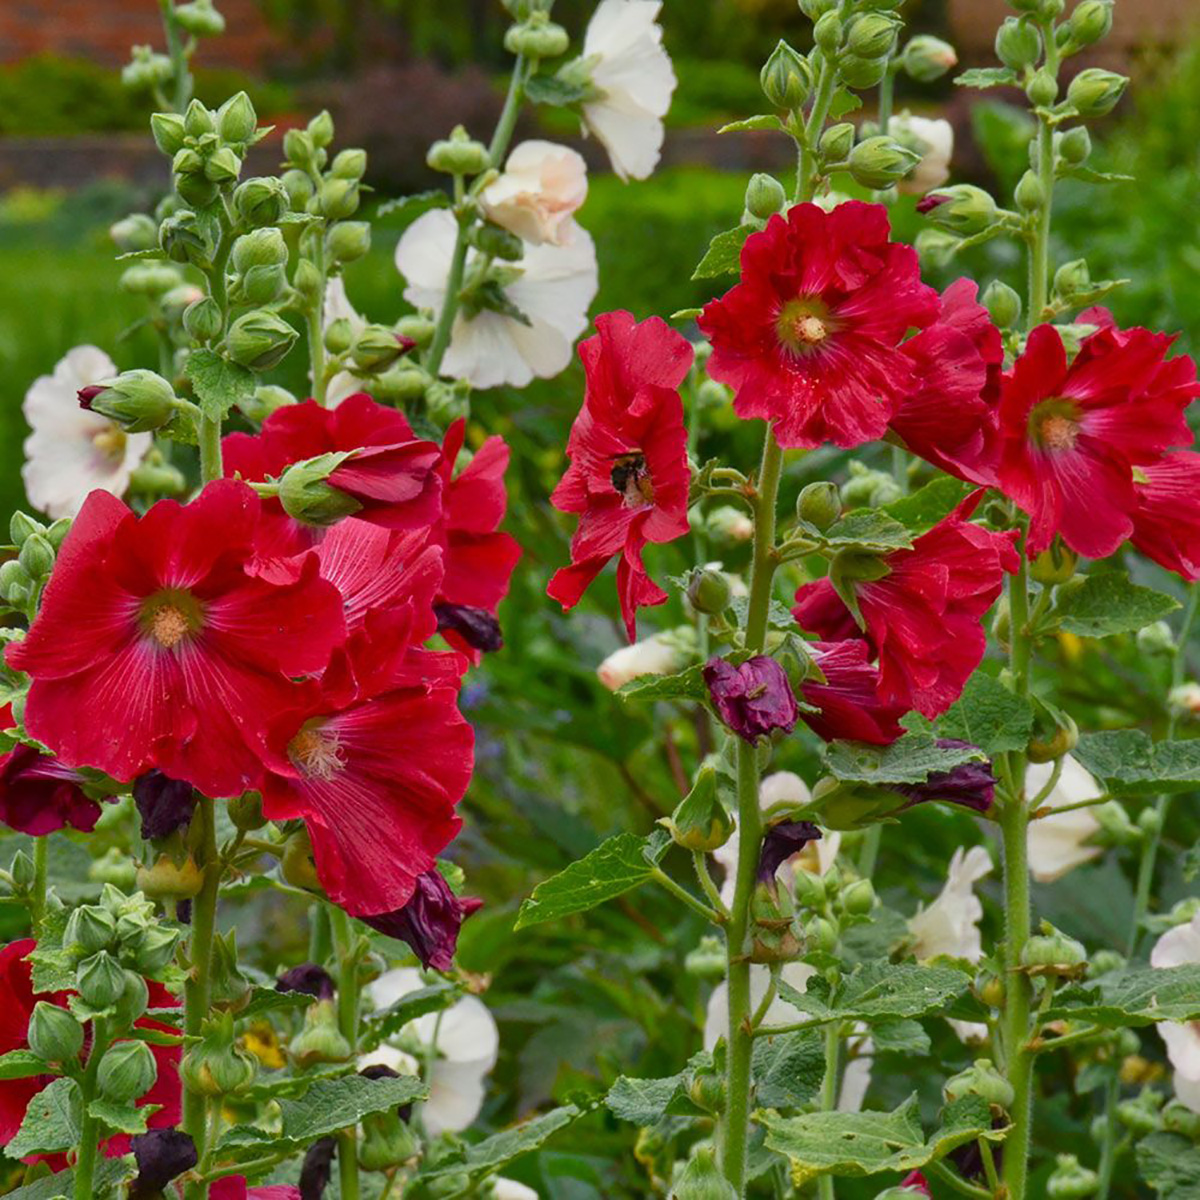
<point x="949" y="418"/>
<point x="810" y="337"/>
<point x="156" y="647"/>
<point x="395" y="478"/>
<point x="1166" y="522"/>
<point x="915" y="1182"/>
<point x="628" y="476"/>
<point x="923" y="616"/>
<point x="233" y="1187"/>
<point x="848" y="700"/>
<point x="38" y="795"/>
<point x="478" y="560"/>
<point x="1072" y="434"/>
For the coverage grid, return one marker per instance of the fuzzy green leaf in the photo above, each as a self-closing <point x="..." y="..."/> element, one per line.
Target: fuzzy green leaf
<point x="1170" y="1164"/>
<point x="333" y="1104"/>
<point x="788" y="1068"/>
<point x="686" y="685"/>
<point x="900" y="1037"/>
<point x="219" y="384"/>
<point x="724" y="253"/>
<point x="264" y="1000"/>
<point x="408" y="1008"/>
<point x="925" y="507"/>
<point x="122" y="1118"/>
<point x="870" y="530"/>
<point x="645" y="1101"/>
<point x="1109" y="603"/>
<point x="911" y="759"/>
<point x="1137" y="996"/>
<point x="762" y="121"/>
<point x="493" y="1152"/>
<point x="52" y="1122"/>
<point x="989" y="716"/>
<point x="420" y="201"/>
<point x="108" y="1175"/>
<point x="879" y="991"/>
<point x="23" y="1064"/>
<point x="550" y="89"/>
<point x="1129" y="763"/>
<point x="987" y="77"/>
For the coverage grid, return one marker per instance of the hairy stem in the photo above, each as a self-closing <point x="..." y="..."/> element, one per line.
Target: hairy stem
<point x="89" y="1132"/>
<point x="829" y="1093"/>
<point x="182" y="76"/>
<point x="347" y="990"/>
<point x="37" y="898"/>
<point x="314" y="323"/>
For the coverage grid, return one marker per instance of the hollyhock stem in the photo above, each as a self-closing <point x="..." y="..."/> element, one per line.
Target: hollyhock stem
<point x="508" y="114"/>
<point x="735" y="1125"/>
<point x="829" y="1093"/>
<point x="37" y="898"/>
<point x="313" y="323"/>
<point x="1039" y="250"/>
<point x="179" y="64"/>
<point x="347" y="1001"/>
<point x="196" y="987"/>
<point x="89" y="1132"/>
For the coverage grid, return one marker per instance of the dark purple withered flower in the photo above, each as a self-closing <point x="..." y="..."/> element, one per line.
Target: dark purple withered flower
<point x="161" y="1155"/>
<point x="317" y="1169"/>
<point x="308" y="978"/>
<point x="38" y="795"/>
<point x="753" y="698"/>
<point x="429" y="922"/>
<point x="971" y="784"/>
<point x="477" y="627"/>
<point x="163" y="803"/>
<point x="781" y="842"/>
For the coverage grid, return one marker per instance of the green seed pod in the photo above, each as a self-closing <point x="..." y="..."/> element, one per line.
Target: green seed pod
<point x="1075" y="145"/>
<point x="927" y="58"/>
<point x="246" y="812"/>
<point x="348" y="241"/>
<point x="820" y="935"/>
<point x="981" y="1079"/>
<point x="1070" y="1180"/>
<point x="90" y="928"/>
<point x="1054" y="953"/>
<point x="320" y="1041"/>
<point x="499" y="243"/>
<point x="260" y="339"/>
<point x="138" y="231"/>
<point x="1003" y="304"/>
<point x="54" y="1034"/>
<point x="459" y="154"/>
<point x="446" y="403"/>
<point x="151" y="478"/>
<point x="871" y="34"/>
<point x="1094" y="92"/>
<point x="387" y="1142"/>
<point x="404" y="384"/>
<point x="236" y="119"/>
<point x="265" y="400"/>
<point x="786" y="78"/>
<point x="100" y="980"/>
<point x="169" y="880"/>
<point x="127" y="1071"/>
<point x="168" y="131"/>
<point x="1055" y="565"/>
<point x="1018" y="43"/>
<point x="1138" y="1117"/>
<point x="218" y="1067"/>
<point x="819" y="504"/>
<point x="836" y="142"/>
<point x="880" y="161"/>
<point x="262" y="200"/>
<point x="764" y="195"/>
<point x="708" y="590"/>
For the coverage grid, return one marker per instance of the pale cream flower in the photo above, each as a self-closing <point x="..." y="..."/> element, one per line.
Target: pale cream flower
<point x="632" y="75"/>
<point x="510" y="1189"/>
<point x="554" y="290"/>
<point x="337" y="308"/>
<point x="466" y="1042"/>
<point x="657" y="655"/>
<point x="72" y="451"/>
<point x="541" y="189"/>
<point x="1180" y="947"/>
<point x="1057" y="844"/>
<point x="937" y="137"/>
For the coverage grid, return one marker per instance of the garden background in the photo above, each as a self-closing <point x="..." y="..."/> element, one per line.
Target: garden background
<point x="562" y="762"/>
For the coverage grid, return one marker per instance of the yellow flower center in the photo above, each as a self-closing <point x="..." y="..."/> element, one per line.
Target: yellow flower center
<point x="1054" y="424"/>
<point x="803" y="324"/>
<point x="631" y="480"/>
<point x="110" y="442"/>
<point x="1059" y="433"/>
<point x="168" y="626"/>
<point x="316" y="752"/>
<point x="170" y="616"/>
<point x="810" y="330"/>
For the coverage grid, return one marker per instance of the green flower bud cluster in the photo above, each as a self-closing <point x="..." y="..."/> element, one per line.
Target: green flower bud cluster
<point x="119" y="933"/>
<point x="207" y="148"/>
<point x="867" y="487"/>
<point x="459" y="154"/>
<point x="537" y="37"/>
<point x="23" y="577"/>
<point x="146" y="70"/>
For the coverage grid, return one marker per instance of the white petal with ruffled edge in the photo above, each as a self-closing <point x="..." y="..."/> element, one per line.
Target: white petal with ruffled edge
<point x="1057" y="844"/>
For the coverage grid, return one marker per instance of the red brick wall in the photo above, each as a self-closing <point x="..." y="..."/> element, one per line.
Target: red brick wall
<point x="103" y="30"/>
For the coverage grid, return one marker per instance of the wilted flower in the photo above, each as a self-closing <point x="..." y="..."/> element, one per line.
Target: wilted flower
<point x="308" y="978"/>
<point x="1176" y="948"/>
<point x="632" y="79"/>
<point x="783" y="840"/>
<point x="164" y="804"/>
<point x="753" y="698"/>
<point x="161" y="1155"/>
<point x="971" y="784"/>
<point x="1057" y="844"/>
<point x="72" y="451"/>
<point x="430" y="921"/>
<point x="540" y="190"/>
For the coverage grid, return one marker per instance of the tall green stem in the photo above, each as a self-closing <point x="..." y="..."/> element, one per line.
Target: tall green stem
<point x="829" y="1093"/>
<point x="347" y="962"/>
<point x="196" y="990"/>
<point x="89" y="1132"/>
<point x="37" y="898"/>
<point x="178" y="55"/>
<point x="1039" y="249"/>
<point x="314" y="324"/>
<point x="735" y="1122"/>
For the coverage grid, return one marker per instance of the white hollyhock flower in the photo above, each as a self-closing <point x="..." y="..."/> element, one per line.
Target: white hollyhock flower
<point x="1057" y="844"/>
<point x="632" y="75"/>
<point x="72" y="451"/>
<point x="657" y="655"/>
<point x="466" y="1042"/>
<point x="556" y="286"/>
<point x="937" y="136"/>
<point x="542" y="187"/>
<point x="510" y="1189"/>
<point x="338" y="308"/>
<point x="1176" y="948"/>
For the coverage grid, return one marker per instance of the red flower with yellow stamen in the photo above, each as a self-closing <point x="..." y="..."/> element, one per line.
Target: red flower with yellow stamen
<point x="810" y="337"/>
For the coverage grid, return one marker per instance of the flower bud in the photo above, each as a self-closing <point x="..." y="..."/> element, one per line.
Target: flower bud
<point x="862" y="73"/>
<point x="216" y="1066"/>
<point x="36" y="557"/>
<point x="459" y="154"/>
<point x="223" y="166"/>
<point x="708" y="590"/>
<point x="259" y="339"/>
<point x="262" y="247"/>
<point x="338" y="198"/>
<point x="338" y="336"/>
<point x="815" y="9"/>
<point x="701" y="1178"/>
<point x="168" y="132"/>
<point x="154" y="949"/>
<point x="1030" y="193"/>
<point x="1051" y="744"/>
<point x="171" y="880"/>
<point x="836" y="142"/>
<point x="246" y="812"/>
<point x="377" y="347"/>
<point x="127" y="1071"/>
<point x="1156" y="639"/>
<point x="499" y="243"/>
<point x="54" y="1034"/>
<point x="182" y="240"/>
<point x="707" y="960"/>
<point x="261" y="285"/>
<point x="90" y="928"/>
<point x="819" y="934"/>
<point x="298" y="866"/>
<point x="764" y="195"/>
<point x="150" y="279"/>
<point x="236" y="119"/>
<point x="202" y="319"/>
<point x="962" y="208"/>
<point x="320" y="129"/>
<point x="1072" y="278"/>
<point x="146" y="70"/>
<point x="819" y="504"/>
<point x="261" y="201"/>
<point x="320" y="1041"/>
<point x="1054" y="953"/>
<point x="1042" y="89"/>
<point x="387" y="1142"/>
<point x="1090" y="20"/>
<point x="1105" y="961"/>
<point x="100" y="980"/>
<point x="349" y="164"/>
<point x="230" y="987"/>
<point x="15" y="584"/>
<point x="1094" y="92"/>
<point x="139" y="400"/>
<point x="138" y="231"/>
<point x="417" y="329"/>
<point x="21" y="526"/>
<point x="1150" y="821"/>
<point x="537" y="39"/>
<point x="299" y="188"/>
<point x="981" y="1079"/>
<point x="786" y="78"/>
<point x="1018" y="43"/>
<point x="1075" y="145"/>
<point x="446" y="402"/>
<point x="927" y="58"/>
<point x="200" y="19"/>
<point x="115" y="868"/>
<point x="299" y="151"/>
<point x="871" y="34"/>
<point x="306" y="496"/>
<point x="827" y="32"/>
<point x="1003" y="304"/>
<point x="1070" y="1180"/>
<point x="880" y="161"/>
<point x="1178" y="1118"/>
<point x="349" y="240"/>
<point x="707" y="1089"/>
<point x="700" y="821"/>
<point x="859" y="898"/>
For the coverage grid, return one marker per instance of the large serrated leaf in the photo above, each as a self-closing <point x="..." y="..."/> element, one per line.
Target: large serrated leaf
<point x="1137" y="996"/>
<point x="22" y="1064"/>
<point x="108" y="1175"/>
<point x="869" y="530"/>
<point x="925" y="507"/>
<point x="1109" y="603"/>
<point x="333" y="1104"/>
<point x="218" y="383"/>
<point x="911" y="759"/>
<point x="685" y="685"/>
<point x="265" y="1000"/>
<point x="788" y="1068"/>
<point x="989" y="716"/>
<point x="408" y="1008"/>
<point x="879" y="991"/>
<point x="724" y="253"/>
<point x="501" y="1148"/>
<point x="1129" y="763"/>
<point x="1170" y="1163"/>
<point x="52" y="1122"/>
<point x="122" y="1118"/>
<point x="613" y="868"/>
<point x="645" y="1101"/>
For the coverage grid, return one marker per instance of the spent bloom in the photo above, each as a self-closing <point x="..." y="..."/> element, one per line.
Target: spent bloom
<point x="631" y="84"/>
<point x="753" y="698"/>
<point x="430" y="920"/>
<point x="810" y="337"/>
<point x="1176" y="948"/>
<point x="72" y="451"/>
<point x="629" y="476"/>
<point x="1058" y="844"/>
<point x="537" y="195"/>
<point x="550" y="288"/>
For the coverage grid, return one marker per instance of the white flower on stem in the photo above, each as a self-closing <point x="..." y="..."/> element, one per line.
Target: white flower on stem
<point x="937" y="138"/>
<point x="337" y="307"/>
<point x="72" y="451"/>
<point x="555" y="286"/>
<point x="510" y="1189"/>
<point x="537" y="196"/>
<point x="1180" y="947"/>
<point x="633" y="79"/>
<point x="657" y="655"/>
<point x="1059" y="843"/>
<point x="463" y="1043"/>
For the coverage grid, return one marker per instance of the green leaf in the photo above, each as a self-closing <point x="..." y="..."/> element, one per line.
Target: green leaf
<point x="219" y="384"/>
<point x="989" y="716"/>
<point x="1136" y="996"/>
<point x="645" y="1101"/>
<point x="408" y="1008"/>
<point x="686" y="685"/>
<point x="879" y="991"/>
<point x="843" y="102"/>
<point x="724" y="253"/>
<point x="1087" y="175"/>
<point x="108" y="1175"/>
<point x="865" y="1143"/>
<point x="685" y="314"/>
<point x="900" y="1037"/>
<point x="1128" y="762"/>
<point x="23" y="1064"/>
<point x="1170" y="1163"/>
<point x="550" y="89"/>
<point x="788" y="1068"/>
<point x="122" y="1118"/>
<point x="503" y="1147"/>
<point x="925" y="507"/>
<point x="418" y="202"/>
<point x="333" y="1104"/>
<point x="762" y="121"/>
<point x="52" y="1122"/>
<point x="610" y="870"/>
<point x="266" y="999"/>
<point x="870" y="530"/>
<point x="987" y="77"/>
<point x="1109" y="603"/>
<point x="911" y="759"/>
